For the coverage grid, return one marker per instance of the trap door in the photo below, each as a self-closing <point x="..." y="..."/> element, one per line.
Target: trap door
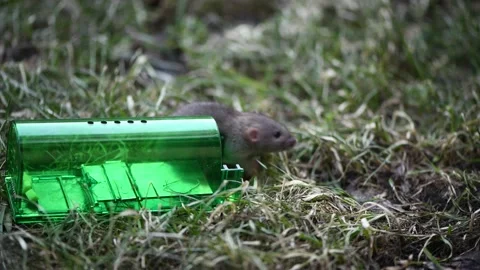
<point x="109" y="182"/>
<point x="169" y="184"/>
<point x="151" y="185"/>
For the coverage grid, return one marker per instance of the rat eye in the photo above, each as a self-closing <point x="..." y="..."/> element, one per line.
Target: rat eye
<point x="277" y="134"/>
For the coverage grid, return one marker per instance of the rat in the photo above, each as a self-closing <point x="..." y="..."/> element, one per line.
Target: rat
<point x="246" y="135"/>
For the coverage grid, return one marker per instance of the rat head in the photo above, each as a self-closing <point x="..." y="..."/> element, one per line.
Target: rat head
<point x="266" y="135"/>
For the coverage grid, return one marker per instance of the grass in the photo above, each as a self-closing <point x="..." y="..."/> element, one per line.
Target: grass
<point x="383" y="97"/>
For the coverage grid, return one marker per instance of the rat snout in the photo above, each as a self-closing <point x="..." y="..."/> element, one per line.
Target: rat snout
<point x="291" y="142"/>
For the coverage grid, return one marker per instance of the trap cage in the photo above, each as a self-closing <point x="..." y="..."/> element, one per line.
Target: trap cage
<point x="55" y="167"/>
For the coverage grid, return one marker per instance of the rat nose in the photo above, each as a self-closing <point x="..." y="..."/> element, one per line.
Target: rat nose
<point x="291" y="142"/>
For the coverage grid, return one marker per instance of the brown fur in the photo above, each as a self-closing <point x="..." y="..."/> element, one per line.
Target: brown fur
<point x="246" y="135"/>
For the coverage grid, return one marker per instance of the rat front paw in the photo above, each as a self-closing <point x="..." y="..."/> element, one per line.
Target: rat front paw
<point x="251" y="169"/>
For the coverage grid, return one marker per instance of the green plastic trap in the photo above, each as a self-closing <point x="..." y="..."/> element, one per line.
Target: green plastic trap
<point x="55" y="167"/>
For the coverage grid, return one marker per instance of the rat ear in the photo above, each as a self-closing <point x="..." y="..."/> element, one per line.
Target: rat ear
<point x="252" y="134"/>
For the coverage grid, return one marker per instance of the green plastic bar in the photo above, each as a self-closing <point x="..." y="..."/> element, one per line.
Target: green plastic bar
<point x="56" y="166"/>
